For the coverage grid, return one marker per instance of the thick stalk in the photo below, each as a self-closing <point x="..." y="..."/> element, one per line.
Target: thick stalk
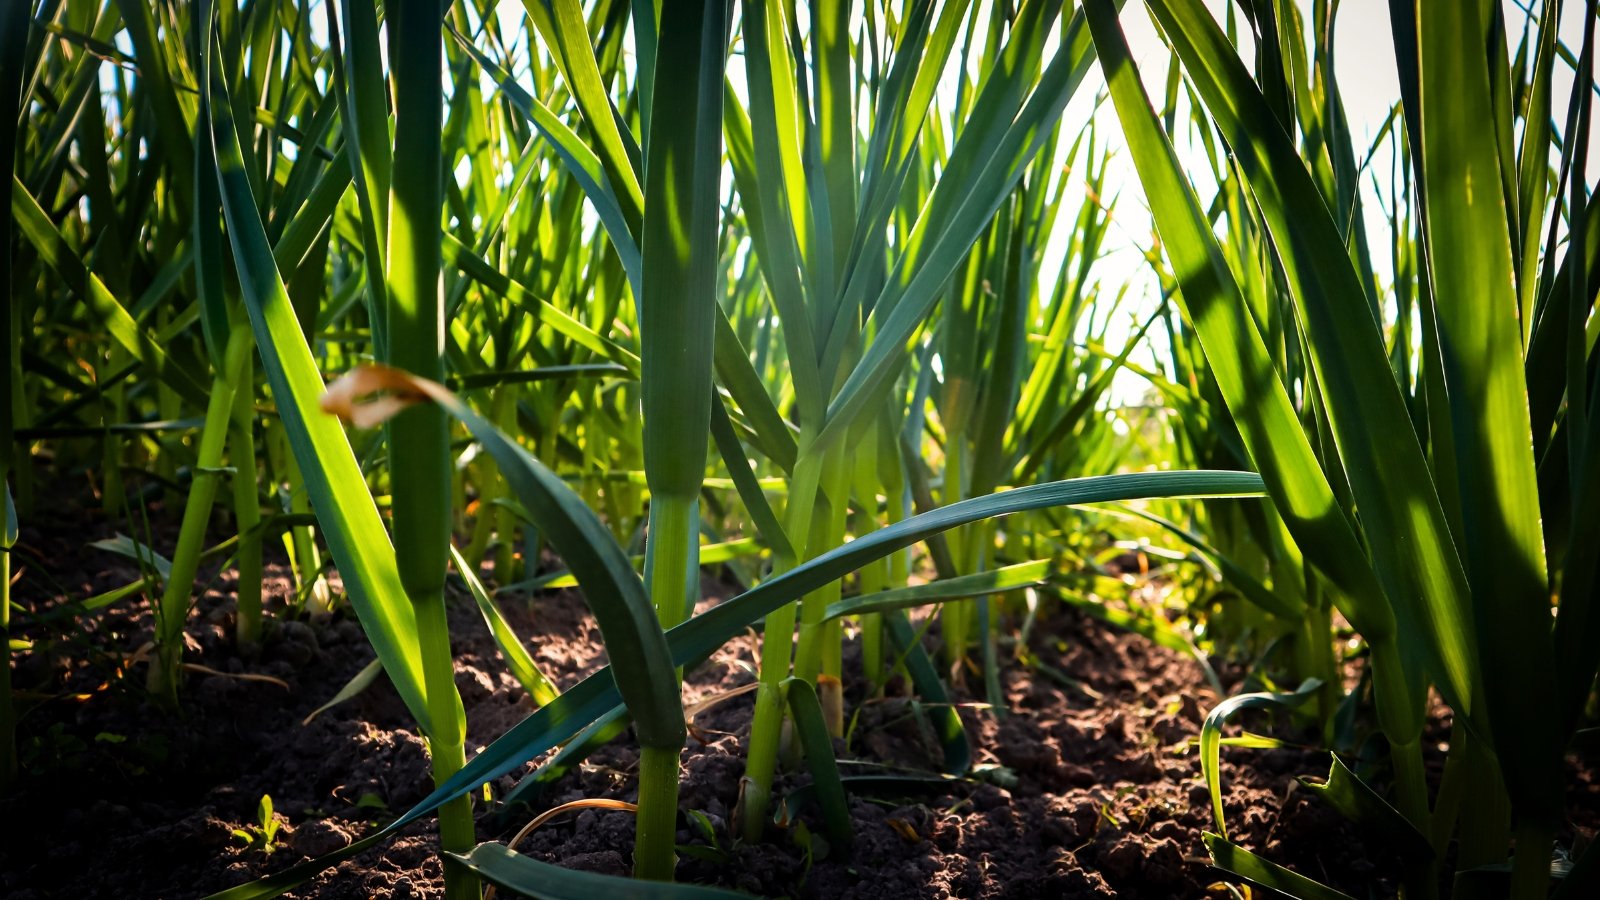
<point x="1318" y="660"/>
<point x="505" y="521"/>
<point x="1400" y="715"/>
<point x="246" y="503"/>
<point x="173" y="607"/>
<point x="777" y="642"/>
<point x="419" y="448"/>
<point x="654" y="856"/>
<point x="827" y="532"/>
<point x="672" y="557"/>
<point x="113" y="493"/>
<point x="446" y="744"/>
<point x="956" y="619"/>
<point x="483" y="523"/>
<point x="875" y="575"/>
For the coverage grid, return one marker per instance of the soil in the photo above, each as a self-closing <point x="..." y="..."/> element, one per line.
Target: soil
<point x="1088" y="787"/>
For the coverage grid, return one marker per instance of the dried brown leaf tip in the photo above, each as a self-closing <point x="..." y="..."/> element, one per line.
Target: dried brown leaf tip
<point x="370" y="395"/>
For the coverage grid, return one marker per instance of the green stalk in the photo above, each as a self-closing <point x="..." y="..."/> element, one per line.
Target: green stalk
<point x="173" y="607"/>
<point x="672" y="560"/>
<point x="673" y="557"/>
<point x="419" y="449"/>
<point x="677" y="307"/>
<point x="113" y="493"/>
<point x="874" y="577"/>
<point x="505" y="520"/>
<point x="777" y="642"/>
<point x="956" y="618"/>
<point x="302" y="544"/>
<point x="1485" y="829"/>
<point x="654" y="856"/>
<point x="826" y="533"/>
<point x="246" y="503"/>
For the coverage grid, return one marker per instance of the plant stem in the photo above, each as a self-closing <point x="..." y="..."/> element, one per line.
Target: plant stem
<point x="672" y="557"/>
<point x="446" y="743"/>
<point x="956" y="619"/>
<point x="246" y="503"/>
<point x="777" y="642"/>
<point x="672" y="570"/>
<point x="761" y="758"/>
<point x="1421" y="879"/>
<point x="173" y="607"/>
<point x="827" y="533"/>
<point x="654" y="856"/>
<point x="419" y="438"/>
<point x="875" y="575"/>
<point x="1485" y="828"/>
<point x="505" y="520"/>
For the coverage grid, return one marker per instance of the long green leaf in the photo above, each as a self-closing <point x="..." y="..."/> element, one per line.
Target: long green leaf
<point x="1474" y="289"/>
<point x="334" y="482"/>
<point x="1233" y="858"/>
<point x="522" y="666"/>
<point x="1402" y="518"/>
<point x="532" y="878"/>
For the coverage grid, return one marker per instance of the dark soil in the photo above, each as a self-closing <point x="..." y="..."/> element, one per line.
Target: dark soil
<point x="1088" y="788"/>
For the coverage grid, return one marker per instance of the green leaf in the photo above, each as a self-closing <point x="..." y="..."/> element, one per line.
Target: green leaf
<point x="1475" y="299"/>
<point x="1359" y="803"/>
<point x="1402" y="518"/>
<point x="1234" y="346"/>
<point x="995" y="581"/>
<point x="1233" y="858"/>
<point x="334" y="483"/>
<point x="353" y="688"/>
<point x="532" y="786"/>
<point x="128" y="548"/>
<point x="34" y="225"/>
<point x="532" y="878"/>
<point x="1211" y="735"/>
<point x="618" y="213"/>
<point x="641" y="661"/>
<point x="826" y="787"/>
<point x="522" y="666"/>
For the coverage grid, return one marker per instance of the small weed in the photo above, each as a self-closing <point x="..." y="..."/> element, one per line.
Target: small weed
<point x="262" y="836"/>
